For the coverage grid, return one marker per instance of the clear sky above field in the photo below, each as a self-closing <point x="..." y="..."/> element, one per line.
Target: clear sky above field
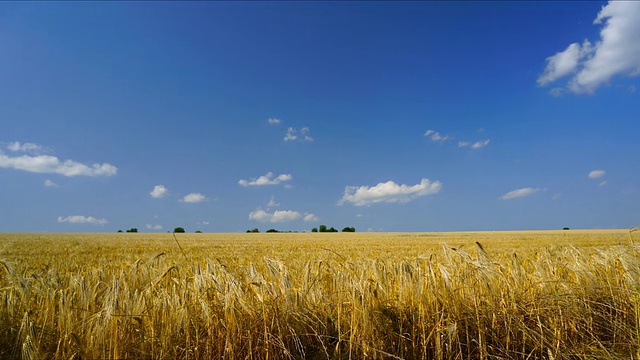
<point x="384" y="116"/>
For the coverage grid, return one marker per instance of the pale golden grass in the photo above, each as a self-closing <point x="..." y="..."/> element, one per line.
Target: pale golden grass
<point x="482" y="295"/>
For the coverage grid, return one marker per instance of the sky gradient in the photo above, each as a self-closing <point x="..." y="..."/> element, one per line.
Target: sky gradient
<point x="384" y="116"/>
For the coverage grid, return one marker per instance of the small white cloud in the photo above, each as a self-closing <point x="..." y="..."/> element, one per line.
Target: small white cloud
<point x="273" y="121"/>
<point x="520" y="193"/>
<point x="556" y="92"/>
<point x="616" y="53"/>
<point x="48" y="164"/>
<point x="193" y="198"/>
<point x="202" y="223"/>
<point x="311" y="217"/>
<point x="305" y="133"/>
<point x="16" y="146"/>
<point x="436" y="136"/>
<point x="603" y="183"/>
<point x="480" y="144"/>
<point x="389" y="192"/>
<point x="596" y="174"/>
<point x="80" y="219"/>
<point x="476" y="145"/>
<point x="153" y="227"/>
<point x="159" y="191"/>
<point x="292" y="134"/>
<point x="272" y="202"/>
<point x="274" y="217"/>
<point x="50" y="184"/>
<point x="268" y="179"/>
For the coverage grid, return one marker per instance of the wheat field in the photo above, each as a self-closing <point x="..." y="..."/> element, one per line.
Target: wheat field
<point x="476" y="295"/>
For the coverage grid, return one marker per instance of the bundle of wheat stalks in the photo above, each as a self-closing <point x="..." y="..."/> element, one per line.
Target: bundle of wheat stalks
<point x="451" y="302"/>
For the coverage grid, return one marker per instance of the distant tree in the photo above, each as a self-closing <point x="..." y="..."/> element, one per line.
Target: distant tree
<point x="198" y="232"/>
<point x="331" y="229"/>
<point x="132" y="230"/>
<point x="322" y="228"/>
<point x="178" y="230"/>
<point x="272" y="231"/>
<point x="254" y="230"/>
<point x="349" y="229"/>
<point x="314" y="230"/>
<point x="119" y="231"/>
<point x="565" y="228"/>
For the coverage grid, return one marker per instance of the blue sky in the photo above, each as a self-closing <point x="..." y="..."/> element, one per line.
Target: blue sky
<point x="384" y="116"/>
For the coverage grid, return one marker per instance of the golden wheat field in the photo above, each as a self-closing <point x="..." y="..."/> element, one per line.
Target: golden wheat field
<point x="484" y="295"/>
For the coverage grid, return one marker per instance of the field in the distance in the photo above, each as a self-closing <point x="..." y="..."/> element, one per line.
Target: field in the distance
<point x="528" y="294"/>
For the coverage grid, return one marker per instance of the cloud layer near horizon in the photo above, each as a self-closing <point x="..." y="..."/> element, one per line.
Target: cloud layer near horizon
<point x="81" y="219"/>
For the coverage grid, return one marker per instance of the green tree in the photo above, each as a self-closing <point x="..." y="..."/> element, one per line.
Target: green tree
<point x="322" y="228"/>
<point x="331" y="229"/>
<point x="314" y="230"/>
<point x="132" y="230"/>
<point x="198" y="232"/>
<point x="349" y="229"/>
<point x="119" y="231"/>
<point x="178" y="230"/>
<point x="272" y="231"/>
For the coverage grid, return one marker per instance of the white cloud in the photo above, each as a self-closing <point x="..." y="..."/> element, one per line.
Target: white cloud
<point x="617" y="52"/>
<point x="193" y="198"/>
<point x="305" y="131"/>
<point x="274" y="217"/>
<point x="603" y="183"/>
<point x="388" y="192"/>
<point x="480" y="144"/>
<point x="268" y="179"/>
<point x="48" y="164"/>
<point x="520" y="193"/>
<point x="596" y="174"/>
<point x="563" y="63"/>
<point x="50" y="184"/>
<point x="556" y="92"/>
<point x="272" y="202"/>
<point x="291" y="134"/>
<point x="273" y="121"/>
<point x="304" y="135"/>
<point x="435" y="136"/>
<point x="16" y="146"/>
<point x="153" y="227"/>
<point x="476" y="145"/>
<point x="79" y="219"/>
<point x="311" y="217"/>
<point x="159" y="191"/>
